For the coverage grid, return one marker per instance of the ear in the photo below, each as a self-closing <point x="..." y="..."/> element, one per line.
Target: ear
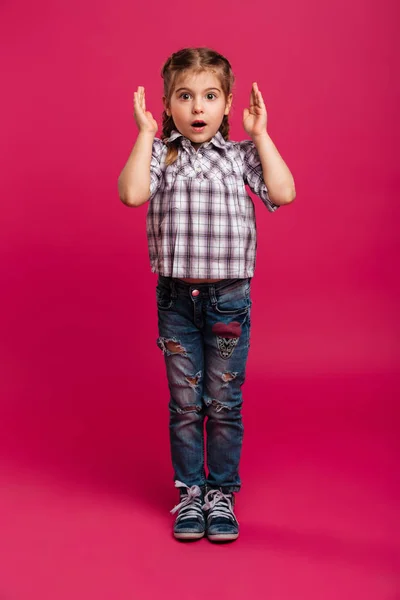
<point x="228" y="104"/>
<point x="166" y="107"/>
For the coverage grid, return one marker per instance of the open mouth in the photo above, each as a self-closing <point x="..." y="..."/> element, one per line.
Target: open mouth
<point x="198" y="125"/>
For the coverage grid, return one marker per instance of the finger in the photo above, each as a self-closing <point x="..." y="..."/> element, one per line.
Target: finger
<point x="136" y="96"/>
<point x="257" y="90"/>
<point x="255" y="93"/>
<point x="252" y="94"/>
<point x="136" y="103"/>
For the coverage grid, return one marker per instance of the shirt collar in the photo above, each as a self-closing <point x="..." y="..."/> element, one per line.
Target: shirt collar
<point x="218" y="139"/>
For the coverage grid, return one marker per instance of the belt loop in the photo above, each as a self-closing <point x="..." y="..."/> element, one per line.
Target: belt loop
<point x="213" y="295"/>
<point x="173" y="288"/>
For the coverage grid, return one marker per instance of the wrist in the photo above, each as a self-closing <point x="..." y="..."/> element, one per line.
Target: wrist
<point x="260" y="136"/>
<point x="144" y="133"/>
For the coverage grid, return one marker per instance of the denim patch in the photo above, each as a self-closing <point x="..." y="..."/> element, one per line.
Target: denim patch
<point x="226" y="346"/>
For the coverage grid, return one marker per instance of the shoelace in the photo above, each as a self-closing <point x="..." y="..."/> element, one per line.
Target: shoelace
<point x="190" y="506"/>
<point x="219" y="505"/>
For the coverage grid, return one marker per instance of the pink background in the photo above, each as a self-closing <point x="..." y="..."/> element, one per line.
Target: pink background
<point x="85" y="476"/>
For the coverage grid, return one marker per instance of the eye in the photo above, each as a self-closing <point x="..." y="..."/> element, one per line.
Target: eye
<point x="184" y="94"/>
<point x="212" y="96"/>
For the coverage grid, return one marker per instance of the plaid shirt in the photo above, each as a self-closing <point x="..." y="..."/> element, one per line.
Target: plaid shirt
<point x="201" y="221"/>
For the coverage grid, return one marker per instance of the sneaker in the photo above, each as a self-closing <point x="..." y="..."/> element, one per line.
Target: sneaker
<point x="222" y="524"/>
<point x="190" y="523"/>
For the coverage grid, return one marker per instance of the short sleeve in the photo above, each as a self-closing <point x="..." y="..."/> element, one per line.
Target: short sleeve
<point x="252" y="173"/>
<point x="155" y="166"/>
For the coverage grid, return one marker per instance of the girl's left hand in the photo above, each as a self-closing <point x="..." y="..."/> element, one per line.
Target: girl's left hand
<point x="255" y="117"/>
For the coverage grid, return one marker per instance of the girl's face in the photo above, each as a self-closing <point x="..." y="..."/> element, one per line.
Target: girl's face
<point x="198" y="97"/>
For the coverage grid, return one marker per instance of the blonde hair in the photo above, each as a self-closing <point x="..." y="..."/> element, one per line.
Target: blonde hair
<point x="194" y="60"/>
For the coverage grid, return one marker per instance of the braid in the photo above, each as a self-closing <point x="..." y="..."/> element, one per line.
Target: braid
<point x="224" y="128"/>
<point x="167" y="127"/>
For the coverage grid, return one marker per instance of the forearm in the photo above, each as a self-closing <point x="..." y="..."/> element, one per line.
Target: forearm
<point x="277" y="177"/>
<point x="134" y="180"/>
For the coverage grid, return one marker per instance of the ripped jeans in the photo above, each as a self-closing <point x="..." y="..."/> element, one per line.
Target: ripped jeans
<point x="204" y="334"/>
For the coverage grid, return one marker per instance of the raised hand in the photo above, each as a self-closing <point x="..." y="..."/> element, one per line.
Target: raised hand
<point x="255" y="117"/>
<point x="144" y="119"/>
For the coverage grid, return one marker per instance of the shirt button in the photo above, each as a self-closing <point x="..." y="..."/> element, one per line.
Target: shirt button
<point x="198" y="169"/>
<point x="195" y="292"/>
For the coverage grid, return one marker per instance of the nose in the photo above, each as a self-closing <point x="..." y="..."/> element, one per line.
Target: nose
<point x="197" y="107"/>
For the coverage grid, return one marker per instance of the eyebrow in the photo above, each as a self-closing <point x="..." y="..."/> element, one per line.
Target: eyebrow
<point x="189" y="90"/>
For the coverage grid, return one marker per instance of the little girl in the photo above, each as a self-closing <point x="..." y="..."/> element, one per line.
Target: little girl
<point x="202" y="242"/>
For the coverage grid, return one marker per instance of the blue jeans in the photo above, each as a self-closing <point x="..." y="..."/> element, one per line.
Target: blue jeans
<point x="204" y="334"/>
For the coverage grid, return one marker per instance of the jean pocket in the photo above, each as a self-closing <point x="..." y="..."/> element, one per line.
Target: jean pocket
<point x="234" y="300"/>
<point x="164" y="297"/>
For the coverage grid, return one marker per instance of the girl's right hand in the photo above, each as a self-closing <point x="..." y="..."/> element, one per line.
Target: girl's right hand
<point x="144" y="119"/>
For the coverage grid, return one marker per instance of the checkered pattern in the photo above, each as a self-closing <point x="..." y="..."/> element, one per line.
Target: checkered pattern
<point x="201" y="220"/>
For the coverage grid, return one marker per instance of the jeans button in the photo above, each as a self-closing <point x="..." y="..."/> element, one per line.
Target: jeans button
<point x="195" y="292"/>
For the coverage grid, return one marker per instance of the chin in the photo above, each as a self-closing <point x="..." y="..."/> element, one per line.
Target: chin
<point x="200" y="139"/>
